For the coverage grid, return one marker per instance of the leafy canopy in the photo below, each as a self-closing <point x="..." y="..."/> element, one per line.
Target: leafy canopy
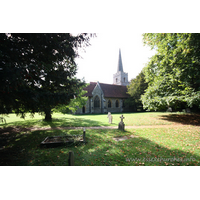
<point x="136" y="88"/>
<point x="173" y="73"/>
<point x="37" y="71"/>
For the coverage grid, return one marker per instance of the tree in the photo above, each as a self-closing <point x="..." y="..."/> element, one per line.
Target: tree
<point x="37" y="71"/>
<point x="75" y="103"/>
<point x="173" y="73"/>
<point x="136" y="88"/>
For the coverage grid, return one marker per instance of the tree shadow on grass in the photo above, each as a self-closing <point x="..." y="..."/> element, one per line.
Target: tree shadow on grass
<point x="19" y="148"/>
<point x="186" y="119"/>
<point x="60" y="122"/>
<point x="134" y="151"/>
<point x="74" y="122"/>
<point x="101" y="150"/>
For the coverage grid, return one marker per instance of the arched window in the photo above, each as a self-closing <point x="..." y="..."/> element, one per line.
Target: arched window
<point x="96" y="102"/>
<point x="109" y="103"/>
<point x="124" y="79"/>
<point x="116" y="80"/>
<point x="117" y="103"/>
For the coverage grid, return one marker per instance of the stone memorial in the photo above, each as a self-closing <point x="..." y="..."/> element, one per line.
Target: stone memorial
<point x="188" y="110"/>
<point x="121" y="124"/>
<point x="169" y="109"/>
<point x="110" y="117"/>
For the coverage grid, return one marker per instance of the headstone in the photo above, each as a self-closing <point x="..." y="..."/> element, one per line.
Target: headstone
<point x="71" y="158"/>
<point x="110" y="117"/>
<point x="169" y="109"/>
<point x="188" y="110"/>
<point x="121" y="124"/>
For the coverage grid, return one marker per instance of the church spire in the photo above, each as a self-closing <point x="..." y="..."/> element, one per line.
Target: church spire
<point x="120" y="66"/>
<point x="120" y="78"/>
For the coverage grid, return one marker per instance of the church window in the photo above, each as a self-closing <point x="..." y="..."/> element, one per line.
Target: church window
<point x="96" y="102"/>
<point x="116" y="80"/>
<point x="116" y="103"/>
<point x="124" y="79"/>
<point x="109" y="103"/>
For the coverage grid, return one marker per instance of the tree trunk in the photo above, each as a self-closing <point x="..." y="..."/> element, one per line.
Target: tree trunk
<point x="48" y="116"/>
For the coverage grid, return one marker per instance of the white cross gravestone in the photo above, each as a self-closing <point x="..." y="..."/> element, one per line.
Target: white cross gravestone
<point x="110" y="117"/>
<point x="121" y="124"/>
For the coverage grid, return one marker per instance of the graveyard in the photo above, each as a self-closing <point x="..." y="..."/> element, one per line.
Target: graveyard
<point x="39" y="75"/>
<point x="144" y="139"/>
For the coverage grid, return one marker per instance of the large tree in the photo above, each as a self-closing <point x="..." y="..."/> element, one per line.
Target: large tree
<point x="37" y="71"/>
<point x="136" y="88"/>
<point x="173" y="73"/>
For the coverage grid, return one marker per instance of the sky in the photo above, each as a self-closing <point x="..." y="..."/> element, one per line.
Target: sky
<point x="99" y="61"/>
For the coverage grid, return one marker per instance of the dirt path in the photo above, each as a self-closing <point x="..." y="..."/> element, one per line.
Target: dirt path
<point x="110" y="127"/>
<point x="20" y="129"/>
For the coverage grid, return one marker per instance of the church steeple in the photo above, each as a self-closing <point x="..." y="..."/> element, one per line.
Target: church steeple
<point x="120" y="78"/>
<point x="120" y="66"/>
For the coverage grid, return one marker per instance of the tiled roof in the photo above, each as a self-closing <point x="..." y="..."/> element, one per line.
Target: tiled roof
<point x="117" y="91"/>
<point x="109" y="90"/>
<point x="89" y="89"/>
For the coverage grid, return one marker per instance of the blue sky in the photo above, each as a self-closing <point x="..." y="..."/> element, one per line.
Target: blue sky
<point x="99" y="62"/>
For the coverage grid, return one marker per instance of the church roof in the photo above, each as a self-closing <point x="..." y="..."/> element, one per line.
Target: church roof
<point x="120" y="66"/>
<point x="117" y="91"/>
<point x="89" y="89"/>
<point x="109" y="90"/>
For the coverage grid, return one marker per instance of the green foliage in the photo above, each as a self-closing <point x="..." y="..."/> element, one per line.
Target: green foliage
<point x="173" y="72"/>
<point x="136" y="88"/>
<point x="75" y="103"/>
<point x="38" y="71"/>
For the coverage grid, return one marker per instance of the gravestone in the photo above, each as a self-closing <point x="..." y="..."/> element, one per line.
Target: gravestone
<point x="169" y="109"/>
<point x="188" y="110"/>
<point x="110" y="117"/>
<point x="121" y="124"/>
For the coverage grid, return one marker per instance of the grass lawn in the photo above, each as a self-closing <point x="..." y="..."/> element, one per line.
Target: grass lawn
<point x="69" y="120"/>
<point x="146" y="146"/>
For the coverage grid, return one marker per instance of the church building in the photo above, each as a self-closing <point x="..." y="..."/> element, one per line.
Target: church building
<point x="104" y="98"/>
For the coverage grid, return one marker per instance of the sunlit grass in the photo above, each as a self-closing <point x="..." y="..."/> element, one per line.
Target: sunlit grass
<point x="147" y="147"/>
<point x="69" y="120"/>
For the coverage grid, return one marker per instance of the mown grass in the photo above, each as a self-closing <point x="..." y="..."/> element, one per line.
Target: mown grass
<point x="20" y="146"/>
<point x="148" y="147"/>
<point x="68" y="120"/>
